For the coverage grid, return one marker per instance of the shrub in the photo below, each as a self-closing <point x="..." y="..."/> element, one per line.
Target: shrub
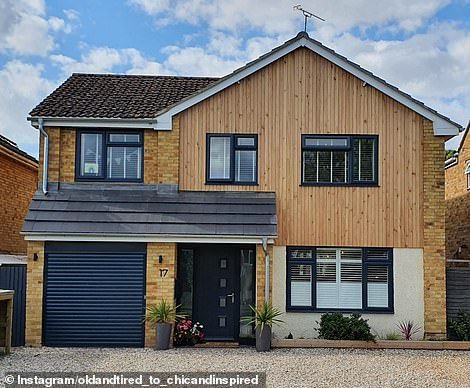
<point x="188" y="333"/>
<point x="336" y="326"/>
<point x="459" y="328"/>
<point x="408" y="329"/>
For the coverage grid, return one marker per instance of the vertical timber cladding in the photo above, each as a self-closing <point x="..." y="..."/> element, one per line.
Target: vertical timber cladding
<point x="160" y="280"/>
<point x="434" y="234"/>
<point x="303" y="93"/>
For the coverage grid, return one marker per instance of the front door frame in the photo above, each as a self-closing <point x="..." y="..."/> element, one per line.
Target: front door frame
<point x="196" y="247"/>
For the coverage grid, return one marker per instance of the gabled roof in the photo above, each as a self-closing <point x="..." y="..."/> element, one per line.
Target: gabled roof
<point x="464" y="137"/>
<point x="442" y="124"/>
<point x="152" y="101"/>
<point x="150" y="211"/>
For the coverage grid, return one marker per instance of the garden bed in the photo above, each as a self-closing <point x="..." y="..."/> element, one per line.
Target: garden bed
<point x="379" y="344"/>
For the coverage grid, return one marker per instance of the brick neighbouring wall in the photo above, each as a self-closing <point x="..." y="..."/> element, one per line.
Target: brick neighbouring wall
<point x="458" y="228"/>
<point x="34" y="294"/>
<point x="434" y="213"/>
<point x="67" y="155"/>
<point x="261" y="273"/>
<point x="18" y="182"/>
<point x="159" y="288"/>
<point x="458" y="206"/>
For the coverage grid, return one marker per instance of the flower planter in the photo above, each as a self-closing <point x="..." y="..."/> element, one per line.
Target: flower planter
<point x="163" y="336"/>
<point x="263" y="339"/>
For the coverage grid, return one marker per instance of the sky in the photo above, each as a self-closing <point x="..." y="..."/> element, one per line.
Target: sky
<point x="421" y="46"/>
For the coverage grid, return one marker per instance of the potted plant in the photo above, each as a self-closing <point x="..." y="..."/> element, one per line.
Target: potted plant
<point x="162" y="316"/>
<point x="264" y="318"/>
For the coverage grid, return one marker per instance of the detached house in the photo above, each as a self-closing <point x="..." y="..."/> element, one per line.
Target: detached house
<point x="300" y="178"/>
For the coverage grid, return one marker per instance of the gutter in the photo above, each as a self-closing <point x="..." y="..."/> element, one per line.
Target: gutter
<point x="45" y="169"/>
<point x="267" y="269"/>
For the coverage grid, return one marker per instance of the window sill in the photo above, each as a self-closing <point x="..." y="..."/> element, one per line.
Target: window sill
<point x="343" y="311"/>
<point x="101" y="180"/>
<point x="339" y="185"/>
<point x="231" y="183"/>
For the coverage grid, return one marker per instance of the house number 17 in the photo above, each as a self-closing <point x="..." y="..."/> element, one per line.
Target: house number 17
<point x="163" y="272"/>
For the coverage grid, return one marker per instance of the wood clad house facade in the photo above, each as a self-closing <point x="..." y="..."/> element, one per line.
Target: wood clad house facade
<point x="299" y="179"/>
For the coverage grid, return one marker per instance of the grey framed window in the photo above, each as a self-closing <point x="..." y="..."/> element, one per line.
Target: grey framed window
<point x="232" y="159"/>
<point x="110" y="156"/>
<point x="339" y="279"/>
<point x="339" y="160"/>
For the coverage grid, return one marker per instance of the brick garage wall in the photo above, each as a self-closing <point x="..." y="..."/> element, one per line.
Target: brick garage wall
<point x="34" y="293"/>
<point x="434" y="234"/>
<point x="18" y="182"/>
<point x="159" y="288"/>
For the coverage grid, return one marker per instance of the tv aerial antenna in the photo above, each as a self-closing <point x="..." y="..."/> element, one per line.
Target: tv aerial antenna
<point x="307" y="15"/>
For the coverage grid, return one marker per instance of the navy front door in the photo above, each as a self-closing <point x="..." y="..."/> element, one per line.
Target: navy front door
<point x="216" y="300"/>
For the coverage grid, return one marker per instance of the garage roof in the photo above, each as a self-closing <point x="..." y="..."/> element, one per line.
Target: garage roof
<point x="117" y="210"/>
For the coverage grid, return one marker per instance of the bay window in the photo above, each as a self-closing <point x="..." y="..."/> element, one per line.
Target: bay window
<point x="109" y="156"/>
<point x="339" y="160"/>
<point x="335" y="279"/>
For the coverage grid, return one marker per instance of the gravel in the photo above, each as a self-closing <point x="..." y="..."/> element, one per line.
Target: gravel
<point x="284" y="367"/>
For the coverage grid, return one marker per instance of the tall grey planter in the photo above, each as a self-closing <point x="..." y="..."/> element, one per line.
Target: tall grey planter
<point x="163" y="336"/>
<point x="263" y="339"/>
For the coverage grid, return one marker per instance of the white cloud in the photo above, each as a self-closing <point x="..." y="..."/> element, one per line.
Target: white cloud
<point x="22" y="86"/>
<point x="25" y="29"/>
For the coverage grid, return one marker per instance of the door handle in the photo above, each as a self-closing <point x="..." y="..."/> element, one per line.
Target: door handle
<point x="232" y="295"/>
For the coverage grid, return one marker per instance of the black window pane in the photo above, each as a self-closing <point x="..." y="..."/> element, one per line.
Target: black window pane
<point x="324" y="166"/>
<point x="364" y="160"/>
<point x="339" y="165"/>
<point x="246" y="141"/>
<point x="91" y="154"/>
<point x="219" y="157"/>
<point x="310" y="166"/>
<point x="124" y="138"/>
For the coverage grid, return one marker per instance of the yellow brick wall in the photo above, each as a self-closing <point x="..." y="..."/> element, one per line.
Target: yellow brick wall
<point x="161" y="155"/>
<point x="34" y="291"/>
<point x="159" y="288"/>
<point x="168" y="154"/>
<point x="434" y="234"/>
<point x="261" y="273"/>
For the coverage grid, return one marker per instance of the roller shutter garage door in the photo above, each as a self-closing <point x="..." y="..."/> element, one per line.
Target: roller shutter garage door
<point x="94" y="294"/>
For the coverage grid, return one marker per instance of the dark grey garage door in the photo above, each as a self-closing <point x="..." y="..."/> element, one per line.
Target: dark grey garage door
<point x="94" y="294"/>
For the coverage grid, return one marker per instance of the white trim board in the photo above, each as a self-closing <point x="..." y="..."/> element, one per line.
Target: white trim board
<point x="150" y="238"/>
<point x="442" y="127"/>
<point x="95" y="123"/>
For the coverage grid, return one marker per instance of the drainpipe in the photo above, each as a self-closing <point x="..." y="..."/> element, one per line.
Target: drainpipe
<point x="267" y="282"/>
<point x="46" y="156"/>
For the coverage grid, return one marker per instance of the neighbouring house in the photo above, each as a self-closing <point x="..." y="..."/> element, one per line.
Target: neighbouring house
<point x="457" y="174"/>
<point x="300" y="178"/>
<point x="18" y="183"/>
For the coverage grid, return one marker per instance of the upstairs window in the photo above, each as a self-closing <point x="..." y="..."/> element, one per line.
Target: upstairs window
<point x="111" y="156"/>
<point x="339" y="279"/>
<point x="232" y="159"/>
<point x="339" y="160"/>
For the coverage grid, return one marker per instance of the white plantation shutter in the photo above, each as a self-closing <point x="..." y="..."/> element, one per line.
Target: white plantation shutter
<point x="377" y="286"/>
<point x="327" y="285"/>
<point x="301" y="285"/>
<point x="219" y="158"/>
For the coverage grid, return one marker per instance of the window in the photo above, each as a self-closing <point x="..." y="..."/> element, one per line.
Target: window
<point x="467" y="173"/>
<point x="112" y="156"/>
<point x="339" y="160"/>
<point x="232" y="159"/>
<point x="332" y="279"/>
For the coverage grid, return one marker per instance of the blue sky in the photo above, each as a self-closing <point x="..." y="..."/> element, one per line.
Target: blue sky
<point x="422" y="46"/>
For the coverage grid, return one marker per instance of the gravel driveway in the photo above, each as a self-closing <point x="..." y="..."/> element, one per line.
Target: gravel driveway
<point x="284" y="367"/>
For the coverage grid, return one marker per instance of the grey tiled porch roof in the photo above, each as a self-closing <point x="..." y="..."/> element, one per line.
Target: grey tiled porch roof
<point x="150" y="210"/>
